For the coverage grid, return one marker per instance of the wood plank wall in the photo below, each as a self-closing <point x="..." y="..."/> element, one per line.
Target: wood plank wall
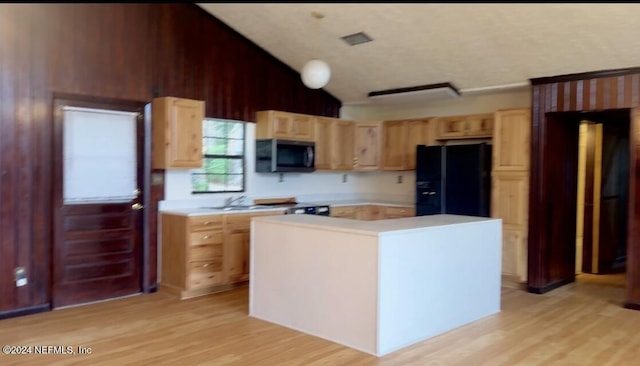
<point x="121" y="51"/>
<point x="612" y="89"/>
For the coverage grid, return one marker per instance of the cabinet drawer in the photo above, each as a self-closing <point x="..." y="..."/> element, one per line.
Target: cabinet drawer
<point x="201" y="252"/>
<point x="205" y="274"/>
<point x="204" y="223"/>
<point x="205" y="237"/>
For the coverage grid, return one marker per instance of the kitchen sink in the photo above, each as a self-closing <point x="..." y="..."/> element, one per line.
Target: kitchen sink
<point x="238" y="208"/>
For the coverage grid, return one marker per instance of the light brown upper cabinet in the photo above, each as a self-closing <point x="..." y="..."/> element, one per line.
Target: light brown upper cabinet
<point x="399" y="142"/>
<point x="323" y="142"/>
<point x="334" y="144"/>
<point x="465" y="127"/>
<point x="177" y="133"/>
<point x="394" y="145"/>
<point x="284" y="125"/>
<point x="342" y="145"/>
<point x="511" y="140"/>
<point x="367" y="145"/>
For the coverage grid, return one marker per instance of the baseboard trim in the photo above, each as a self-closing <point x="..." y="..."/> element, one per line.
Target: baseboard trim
<point x="631" y="305"/>
<point x="514" y="282"/>
<point x="549" y="287"/>
<point x="25" y="311"/>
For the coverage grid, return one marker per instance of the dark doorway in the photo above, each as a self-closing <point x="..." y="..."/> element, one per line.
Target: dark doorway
<point x="559" y="184"/>
<point x="97" y="248"/>
<point x="606" y="196"/>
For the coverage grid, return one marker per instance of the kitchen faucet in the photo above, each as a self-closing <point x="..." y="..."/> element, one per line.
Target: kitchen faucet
<point x="229" y="201"/>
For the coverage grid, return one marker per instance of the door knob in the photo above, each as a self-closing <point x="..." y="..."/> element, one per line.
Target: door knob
<point x="136" y="206"/>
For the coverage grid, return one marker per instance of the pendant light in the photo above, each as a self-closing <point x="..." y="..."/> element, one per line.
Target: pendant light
<point x="316" y="73"/>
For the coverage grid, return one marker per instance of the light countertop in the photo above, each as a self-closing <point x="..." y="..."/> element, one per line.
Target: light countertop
<point x="376" y="227"/>
<point x="203" y="211"/>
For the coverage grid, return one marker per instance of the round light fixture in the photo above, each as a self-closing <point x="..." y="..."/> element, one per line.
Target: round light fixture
<point x="315" y="74"/>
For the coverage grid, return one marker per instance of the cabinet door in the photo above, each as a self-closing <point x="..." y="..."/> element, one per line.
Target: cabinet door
<point x="514" y="254"/>
<point x="236" y="255"/>
<point x="511" y="140"/>
<point x="367" y="212"/>
<point x="510" y="198"/>
<point x="342" y="146"/>
<point x="394" y="145"/>
<point x="177" y="133"/>
<point x="417" y="134"/>
<point x="279" y="125"/>
<point x="390" y="212"/>
<point x="480" y="125"/>
<point x="367" y="140"/>
<point x="348" y="212"/>
<point x="324" y="143"/>
<point x="451" y="127"/>
<point x="302" y="127"/>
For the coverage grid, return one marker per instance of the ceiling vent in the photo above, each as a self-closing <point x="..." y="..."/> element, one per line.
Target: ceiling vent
<point x="416" y="93"/>
<point x="357" y="38"/>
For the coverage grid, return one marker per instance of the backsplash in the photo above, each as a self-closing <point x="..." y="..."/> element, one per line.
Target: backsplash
<point x="310" y="187"/>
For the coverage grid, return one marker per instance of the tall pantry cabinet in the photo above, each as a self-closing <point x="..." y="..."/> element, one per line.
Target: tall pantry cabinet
<point x="510" y="187"/>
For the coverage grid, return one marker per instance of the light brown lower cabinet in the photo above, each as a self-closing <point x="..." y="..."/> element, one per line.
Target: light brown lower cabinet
<point x="205" y="254"/>
<point x="372" y="212"/>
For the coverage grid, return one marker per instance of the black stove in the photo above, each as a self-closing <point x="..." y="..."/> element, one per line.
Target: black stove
<point x="302" y="208"/>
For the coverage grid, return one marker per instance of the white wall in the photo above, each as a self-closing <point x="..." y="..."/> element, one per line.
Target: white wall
<point x="320" y="186"/>
<point x="303" y="186"/>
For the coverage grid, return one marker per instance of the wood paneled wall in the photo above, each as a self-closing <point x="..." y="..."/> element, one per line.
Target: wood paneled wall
<point x="122" y="51"/>
<point x="614" y="89"/>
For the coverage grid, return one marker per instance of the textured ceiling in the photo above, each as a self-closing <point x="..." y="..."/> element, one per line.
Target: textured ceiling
<point x="476" y="47"/>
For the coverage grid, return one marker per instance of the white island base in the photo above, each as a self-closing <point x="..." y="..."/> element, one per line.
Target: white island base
<point x="376" y="286"/>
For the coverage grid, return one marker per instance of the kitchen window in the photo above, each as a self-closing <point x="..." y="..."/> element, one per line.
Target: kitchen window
<point x="223" y="157"/>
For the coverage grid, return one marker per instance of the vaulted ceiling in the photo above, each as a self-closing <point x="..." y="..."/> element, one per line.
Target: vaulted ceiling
<point x="476" y="47"/>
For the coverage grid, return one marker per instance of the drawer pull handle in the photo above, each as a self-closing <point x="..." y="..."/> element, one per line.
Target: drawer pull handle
<point x="205" y="265"/>
<point x="206" y="223"/>
<point x="206" y="237"/>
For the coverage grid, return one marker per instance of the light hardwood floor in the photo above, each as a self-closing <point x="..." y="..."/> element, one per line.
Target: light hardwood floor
<point x="579" y="324"/>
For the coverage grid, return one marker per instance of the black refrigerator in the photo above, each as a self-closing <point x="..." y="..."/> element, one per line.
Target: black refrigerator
<point x="453" y="179"/>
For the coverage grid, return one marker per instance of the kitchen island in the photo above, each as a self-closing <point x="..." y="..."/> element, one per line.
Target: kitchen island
<point x="376" y="286"/>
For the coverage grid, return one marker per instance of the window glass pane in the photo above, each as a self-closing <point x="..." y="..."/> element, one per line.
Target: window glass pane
<point x="235" y="182"/>
<point x="235" y="147"/>
<point x="236" y="130"/>
<point x="223" y="150"/>
<point x="215" y="146"/>
<point x="236" y="166"/>
<point x="199" y="182"/>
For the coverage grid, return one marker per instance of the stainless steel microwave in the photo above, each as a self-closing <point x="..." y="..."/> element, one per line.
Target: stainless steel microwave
<point x="280" y="156"/>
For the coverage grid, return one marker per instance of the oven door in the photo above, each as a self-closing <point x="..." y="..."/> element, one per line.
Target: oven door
<point x="295" y="156"/>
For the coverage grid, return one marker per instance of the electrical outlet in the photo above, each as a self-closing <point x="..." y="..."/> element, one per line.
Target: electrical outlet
<point x="344" y="178"/>
<point x="21" y="276"/>
<point x="281" y="178"/>
<point x="399" y="179"/>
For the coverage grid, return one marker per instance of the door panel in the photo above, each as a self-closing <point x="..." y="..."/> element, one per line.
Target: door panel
<point x="615" y="187"/>
<point x="560" y="184"/>
<point x="97" y="249"/>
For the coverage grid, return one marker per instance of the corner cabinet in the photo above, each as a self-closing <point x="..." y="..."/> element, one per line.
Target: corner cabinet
<point x="399" y="141"/>
<point x="205" y="254"/>
<point x="284" y="125"/>
<point x="176" y="133"/>
<point x="334" y="144"/>
<point x="192" y="254"/>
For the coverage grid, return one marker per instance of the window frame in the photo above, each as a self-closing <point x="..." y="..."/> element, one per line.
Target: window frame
<point x="242" y="157"/>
